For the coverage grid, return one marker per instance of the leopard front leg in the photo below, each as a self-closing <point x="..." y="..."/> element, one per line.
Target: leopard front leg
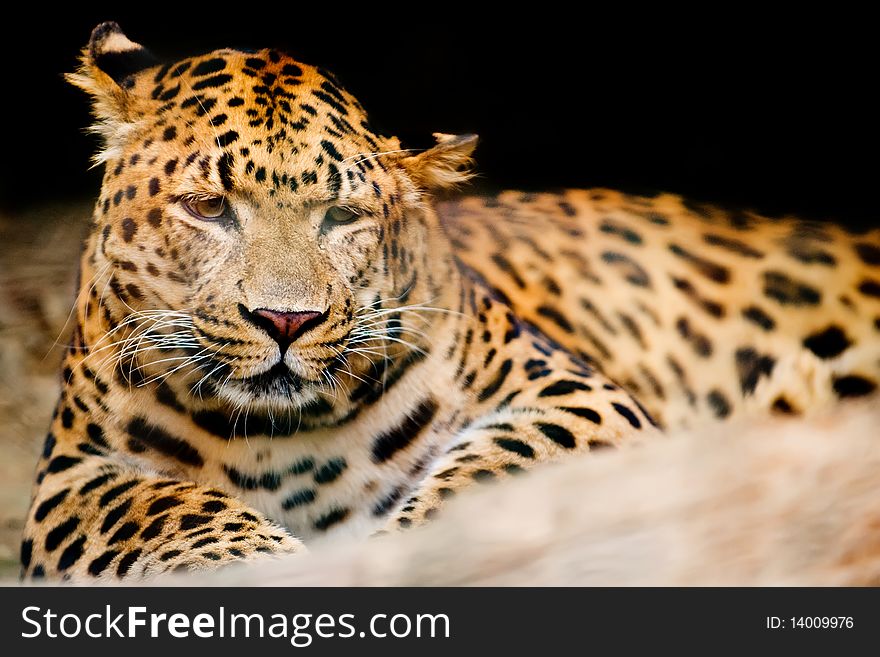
<point x="93" y="518"/>
<point x="562" y="415"/>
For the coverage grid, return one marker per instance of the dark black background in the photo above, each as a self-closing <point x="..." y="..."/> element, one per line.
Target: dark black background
<point x="741" y="109"/>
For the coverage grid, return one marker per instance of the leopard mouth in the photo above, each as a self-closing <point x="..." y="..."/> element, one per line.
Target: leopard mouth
<point x="279" y="387"/>
<point x="277" y="381"/>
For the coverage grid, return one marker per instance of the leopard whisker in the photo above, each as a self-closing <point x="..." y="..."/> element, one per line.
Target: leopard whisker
<point x="85" y="290"/>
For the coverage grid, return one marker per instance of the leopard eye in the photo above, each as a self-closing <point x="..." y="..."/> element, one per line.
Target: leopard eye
<point x="208" y="209"/>
<point x="338" y="216"/>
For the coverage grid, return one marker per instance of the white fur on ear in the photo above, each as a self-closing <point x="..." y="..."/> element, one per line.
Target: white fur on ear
<point x="445" y="165"/>
<point x="108" y="109"/>
<point x="106" y="61"/>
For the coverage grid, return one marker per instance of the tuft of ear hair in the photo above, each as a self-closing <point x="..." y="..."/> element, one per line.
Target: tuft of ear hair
<point x="445" y="165"/>
<point x="106" y="66"/>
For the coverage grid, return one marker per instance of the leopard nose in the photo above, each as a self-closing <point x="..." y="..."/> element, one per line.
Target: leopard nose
<point x="283" y="326"/>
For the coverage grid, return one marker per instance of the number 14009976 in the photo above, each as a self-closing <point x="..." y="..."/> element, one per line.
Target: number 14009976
<point x="810" y="623"/>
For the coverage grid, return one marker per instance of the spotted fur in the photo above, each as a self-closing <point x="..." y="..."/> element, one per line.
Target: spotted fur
<point x="335" y="353"/>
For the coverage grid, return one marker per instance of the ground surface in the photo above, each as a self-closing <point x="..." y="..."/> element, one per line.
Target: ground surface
<point x="38" y="262"/>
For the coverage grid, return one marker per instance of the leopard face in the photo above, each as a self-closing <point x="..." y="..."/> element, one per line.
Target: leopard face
<point x="256" y="231"/>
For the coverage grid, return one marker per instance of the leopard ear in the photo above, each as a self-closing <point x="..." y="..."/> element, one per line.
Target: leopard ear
<point x="106" y="66"/>
<point x="445" y="165"/>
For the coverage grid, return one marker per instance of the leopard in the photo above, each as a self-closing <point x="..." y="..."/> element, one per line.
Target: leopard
<point x="290" y="330"/>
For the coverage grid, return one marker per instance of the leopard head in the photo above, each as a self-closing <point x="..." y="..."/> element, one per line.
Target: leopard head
<point x="258" y="240"/>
